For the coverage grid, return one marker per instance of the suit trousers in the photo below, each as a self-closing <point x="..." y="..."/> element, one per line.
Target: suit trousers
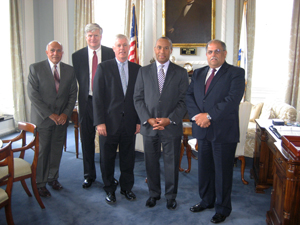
<point x="108" y="153"/>
<point x="51" y="141"/>
<point x="171" y="154"/>
<point x="215" y="171"/>
<point x="87" y="132"/>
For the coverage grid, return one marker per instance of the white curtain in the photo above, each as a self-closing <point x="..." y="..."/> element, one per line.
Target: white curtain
<point x="140" y="15"/>
<point x="84" y="14"/>
<point x="292" y="96"/>
<point x="17" y="61"/>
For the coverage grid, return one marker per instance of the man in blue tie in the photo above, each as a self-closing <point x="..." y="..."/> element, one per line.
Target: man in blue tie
<point x="115" y="118"/>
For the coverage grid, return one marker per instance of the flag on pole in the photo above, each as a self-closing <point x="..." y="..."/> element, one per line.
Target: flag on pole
<point x="242" y="57"/>
<point x="134" y="44"/>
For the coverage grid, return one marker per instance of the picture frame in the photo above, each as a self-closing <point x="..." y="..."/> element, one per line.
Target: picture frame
<point x="195" y="28"/>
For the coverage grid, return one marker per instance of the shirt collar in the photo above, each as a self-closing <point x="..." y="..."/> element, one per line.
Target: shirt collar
<point x="52" y="65"/>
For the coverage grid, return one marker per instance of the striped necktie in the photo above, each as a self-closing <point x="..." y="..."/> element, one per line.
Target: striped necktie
<point x="161" y="78"/>
<point x="56" y="78"/>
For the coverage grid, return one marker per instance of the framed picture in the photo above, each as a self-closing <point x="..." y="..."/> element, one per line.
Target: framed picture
<point x="188" y="23"/>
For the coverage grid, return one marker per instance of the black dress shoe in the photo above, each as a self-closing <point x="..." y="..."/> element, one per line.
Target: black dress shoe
<point x="116" y="182"/>
<point x="199" y="208"/>
<point x="111" y="197"/>
<point x="218" y="218"/>
<point x="43" y="192"/>
<point x="128" y="194"/>
<point x="87" y="182"/>
<point x="171" y="204"/>
<point x="151" y="202"/>
<point x="55" y="185"/>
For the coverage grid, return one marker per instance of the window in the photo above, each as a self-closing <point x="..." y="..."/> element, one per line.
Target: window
<point x="110" y="15"/>
<point x="6" y="96"/>
<point x="271" y="51"/>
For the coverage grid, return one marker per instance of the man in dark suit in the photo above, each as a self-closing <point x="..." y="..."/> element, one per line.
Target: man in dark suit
<point x="193" y="24"/>
<point x="213" y="100"/>
<point x="83" y="61"/>
<point x="116" y="119"/>
<point x="52" y="90"/>
<point x="159" y="99"/>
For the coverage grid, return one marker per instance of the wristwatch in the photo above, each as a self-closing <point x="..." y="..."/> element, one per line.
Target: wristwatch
<point x="208" y="116"/>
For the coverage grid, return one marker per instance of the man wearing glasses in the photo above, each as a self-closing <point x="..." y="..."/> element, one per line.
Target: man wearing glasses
<point x="212" y="100"/>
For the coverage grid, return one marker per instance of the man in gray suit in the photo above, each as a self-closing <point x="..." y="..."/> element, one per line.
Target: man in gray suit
<point x="52" y="90"/>
<point x="159" y="99"/>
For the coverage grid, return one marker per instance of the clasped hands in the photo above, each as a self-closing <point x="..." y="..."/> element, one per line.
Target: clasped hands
<point x="201" y="120"/>
<point x="159" y="123"/>
<point x="59" y="119"/>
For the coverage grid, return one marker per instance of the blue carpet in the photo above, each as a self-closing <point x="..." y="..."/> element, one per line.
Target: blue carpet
<point x="75" y="205"/>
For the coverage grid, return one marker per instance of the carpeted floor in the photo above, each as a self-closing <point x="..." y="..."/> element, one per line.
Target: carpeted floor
<point x="75" y="205"/>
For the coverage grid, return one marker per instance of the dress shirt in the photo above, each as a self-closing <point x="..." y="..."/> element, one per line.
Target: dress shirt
<point x="187" y="8"/>
<point x="166" y="66"/>
<point x="91" y="54"/>
<point x="52" y="67"/>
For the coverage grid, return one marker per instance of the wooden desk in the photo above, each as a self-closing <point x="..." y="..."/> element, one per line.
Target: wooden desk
<point x="187" y="131"/>
<point x="278" y="165"/>
<point x="74" y="118"/>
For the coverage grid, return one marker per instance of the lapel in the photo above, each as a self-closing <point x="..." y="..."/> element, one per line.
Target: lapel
<point x="85" y="67"/>
<point x="153" y="75"/>
<point x="63" y="77"/>
<point x="169" y="75"/>
<point x="217" y="77"/>
<point x="49" y="75"/>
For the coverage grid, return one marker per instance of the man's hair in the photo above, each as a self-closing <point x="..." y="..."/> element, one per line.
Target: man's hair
<point x="121" y="36"/>
<point x="52" y="42"/>
<point x="168" y="39"/>
<point x="92" y="27"/>
<point x="216" y="40"/>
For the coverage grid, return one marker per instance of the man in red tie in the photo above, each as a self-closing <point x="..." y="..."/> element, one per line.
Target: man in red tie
<point x="52" y="91"/>
<point x="212" y="100"/>
<point x="85" y="62"/>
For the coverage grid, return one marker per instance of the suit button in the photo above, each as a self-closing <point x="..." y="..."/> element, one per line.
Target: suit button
<point x="204" y="101"/>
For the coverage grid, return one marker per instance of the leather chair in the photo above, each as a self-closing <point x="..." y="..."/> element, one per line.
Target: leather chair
<point x="244" y="115"/>
<point x="22" y="168"/>
<point x="7" y="165"/>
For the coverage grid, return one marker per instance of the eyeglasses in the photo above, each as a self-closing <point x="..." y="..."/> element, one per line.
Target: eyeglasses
<point x="217" y="51"/>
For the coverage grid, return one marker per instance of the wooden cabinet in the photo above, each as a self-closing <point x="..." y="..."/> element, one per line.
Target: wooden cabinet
<point x="262" y="170"/>
<point x="273" y="165"/>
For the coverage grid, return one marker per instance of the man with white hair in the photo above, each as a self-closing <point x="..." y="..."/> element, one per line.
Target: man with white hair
<point x="85" y="62"/>
<point x="52" y="91"/>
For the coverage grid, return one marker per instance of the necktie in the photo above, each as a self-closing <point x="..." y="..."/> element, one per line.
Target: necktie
<point x="123" y="78"/>
<point x="161" y="78"/>
<point x="94" y="67"/>
<point x="56" y="78"/>
<point x="209" y="79"/>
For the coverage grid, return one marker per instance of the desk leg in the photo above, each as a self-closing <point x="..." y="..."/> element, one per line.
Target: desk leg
<point x="181" y="154"/>
<point x="76" y="138"/>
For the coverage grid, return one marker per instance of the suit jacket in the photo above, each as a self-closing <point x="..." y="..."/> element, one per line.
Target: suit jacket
<point x="109" y="102"/>
<point x="221" y="102"/>
<point x="42" y="93"/>
<point x="81" y="66"/>
<point x="149" y="103"/>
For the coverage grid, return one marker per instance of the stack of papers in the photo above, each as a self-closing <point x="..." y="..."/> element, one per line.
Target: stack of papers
<point x="288" y="130"/>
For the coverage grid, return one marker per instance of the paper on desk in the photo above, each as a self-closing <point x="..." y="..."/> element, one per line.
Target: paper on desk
<point x="288" y="130"/>
<point x="187" y="124"/>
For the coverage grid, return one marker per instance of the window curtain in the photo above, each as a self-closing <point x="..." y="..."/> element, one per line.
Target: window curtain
<point x="17" y="61"/>
<point x="250" y="23"/>
<point x="140" y="15"/>
<point x="84" y="14"/>
<point x="292" y="95"/>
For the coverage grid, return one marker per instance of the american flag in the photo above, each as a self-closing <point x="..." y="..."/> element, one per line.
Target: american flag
<point x="134" y="44"/>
